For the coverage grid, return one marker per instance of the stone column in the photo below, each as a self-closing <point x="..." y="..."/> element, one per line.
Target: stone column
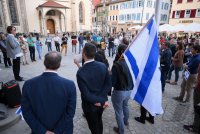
<point x="24" y="16"/>
<point x="4" y="17"/>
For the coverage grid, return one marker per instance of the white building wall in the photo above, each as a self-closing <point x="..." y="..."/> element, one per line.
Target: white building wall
<point x="137" y="11"/>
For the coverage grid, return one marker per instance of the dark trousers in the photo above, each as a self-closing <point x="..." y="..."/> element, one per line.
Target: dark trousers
<point x="164" y="71"/>
<point x="94" y="120"/>
<point x="49" y="46"/>
<point x="57" y="46"/>
<point x="144" y="113"/>
<point x="16" y="67"/>
<point x="111" y="51"/>
<point x="32" y="52"/>
<point x="6" y="59"/>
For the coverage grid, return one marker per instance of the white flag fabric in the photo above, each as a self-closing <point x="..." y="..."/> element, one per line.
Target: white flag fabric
<point x="142" y="58"/>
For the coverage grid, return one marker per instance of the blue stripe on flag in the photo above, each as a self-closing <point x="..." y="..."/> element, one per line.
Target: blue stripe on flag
<point x="148" y="72"/>
<point x="19" y="110"/>
<point x="150" y="25"/>
<point x="133" y="63"/>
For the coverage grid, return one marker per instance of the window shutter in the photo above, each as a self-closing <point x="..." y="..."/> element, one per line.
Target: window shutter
<point x="193" y="13"/>
<point x="189" y="0"/>
<point x="173" y="15"/>
<point x="182" y="14"/>
<point x="179" y="1"/>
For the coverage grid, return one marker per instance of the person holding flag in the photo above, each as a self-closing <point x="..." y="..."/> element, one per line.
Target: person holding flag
<point x="145" y="68"/>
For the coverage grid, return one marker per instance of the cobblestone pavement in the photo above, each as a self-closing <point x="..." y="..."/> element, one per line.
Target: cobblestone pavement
<point x="171" y="122"/>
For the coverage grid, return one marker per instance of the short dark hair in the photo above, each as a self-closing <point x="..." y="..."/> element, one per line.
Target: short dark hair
<point x="52" y="60"/>
<point x="196" y="48"/>
<point x="9" y="29"/>
<point x="121" y="49"/>
<point x="167" y="44"/>
<point x="89" y="50"/>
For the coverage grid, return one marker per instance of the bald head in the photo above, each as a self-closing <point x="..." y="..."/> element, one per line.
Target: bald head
<point x="52" y="60"/>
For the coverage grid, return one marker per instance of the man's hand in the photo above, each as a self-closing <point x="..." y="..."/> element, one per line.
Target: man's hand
<point x="49" y="132"/>
<point x="106" y="105"/>
<point x="97" y="104"/>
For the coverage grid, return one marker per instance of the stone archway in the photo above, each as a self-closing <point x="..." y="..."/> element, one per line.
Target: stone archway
<point x="50" y="26"/>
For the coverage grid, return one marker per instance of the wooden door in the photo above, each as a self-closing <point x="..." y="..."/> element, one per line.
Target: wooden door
<point x="51" y="26"/>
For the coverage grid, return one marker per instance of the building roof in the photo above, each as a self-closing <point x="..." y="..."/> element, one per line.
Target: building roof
<point x="112" y="2"/>
<point x="96" y="2"/>
<point x="52" y="4"/>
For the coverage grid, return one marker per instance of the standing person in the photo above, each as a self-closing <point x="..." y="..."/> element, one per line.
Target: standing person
<point x="57" y="41"/>
<point x="94" y="86"/>
<point x="80" y="40"/>
<point x="49" y="101"/>
<point x="64" y="44"/>
<point x="192" y="68"/>
<point x="14" y="51"/>
<point x="165" y="61"/>
<point x="48" y="42"/>
<point x="74" y="42"/>
<point x="111" y="46"/>
<point x="195" y="127"/>
<point x="24" y="48"/>
<point x="39" y="47"/>
<point x="123" y="85"/>
<point x="7" y="61"/>
<point x="31" y="44"/>
<point x="177" y="63"/>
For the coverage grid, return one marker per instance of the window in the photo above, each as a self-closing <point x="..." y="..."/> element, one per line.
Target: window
<point x="187" y="14"/>
<point x="110" y="18"/>
<point x="128" y="17"/>
<point x="140" y="3"/>
<point x="165" y="17"/>
<point x="182" y="14"/>
<point x="122" y="6"/>
<point x="189" y="0"/>
<point x="177" y="14"/>
<point x="166" y="6"/>
<point x="133" y="4"/>
<point x="113" y="17"/>
<point x="1" y="21"/>
<point x="149" y="3"/>
<point x="51" y="13"/>
<point x="193" y="13"/>
<point x="138" y="16"/>
<point x="13" y="12"/>
<point x="162" y="6"/>
<point x="179" y="1"/>
<point x="110" y="7"/>
<point x="116" y="7"/>
<point x="154" y="4"/>
<point x="133" y="16"/>
<point x="116" y="17"/>
<point x="126" y="5"/>
<point x="81" y="15"/>
<point x="113" y="7"/>
<point x="147" y="16"/>
<point x="198" y="12"/>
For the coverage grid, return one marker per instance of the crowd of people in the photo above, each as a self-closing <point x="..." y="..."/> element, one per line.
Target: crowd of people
<point x="54" y="112"/>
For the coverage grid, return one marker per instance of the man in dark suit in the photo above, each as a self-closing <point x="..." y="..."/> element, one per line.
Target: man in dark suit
<point x="94" y="83"/>
<point x="49" y="101"/>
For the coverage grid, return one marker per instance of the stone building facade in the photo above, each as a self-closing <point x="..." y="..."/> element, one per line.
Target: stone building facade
<point x="46" y="16"/>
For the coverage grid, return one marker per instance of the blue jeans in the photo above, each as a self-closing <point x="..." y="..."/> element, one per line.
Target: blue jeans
<point x="39" y="49"/>
<point x="120" y="104"/>
<point x="177" y="69"/>
<point x="80" y="47"/>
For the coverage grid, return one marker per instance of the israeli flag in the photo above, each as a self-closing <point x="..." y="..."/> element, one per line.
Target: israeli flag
<point x="19" y="112"/>
<point x="142" y="58"/>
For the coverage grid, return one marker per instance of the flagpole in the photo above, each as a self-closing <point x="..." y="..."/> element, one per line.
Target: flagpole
<point x="157" y="13"/>
<point x="139" y="33"/>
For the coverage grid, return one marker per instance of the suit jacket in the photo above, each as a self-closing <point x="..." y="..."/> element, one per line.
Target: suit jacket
<point x="94" y="83"/>
<point x="12" y="46"/>
<point x="49" y="103"/>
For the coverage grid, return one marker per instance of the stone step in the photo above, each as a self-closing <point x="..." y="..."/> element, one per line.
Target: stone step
<point x="10" y="121"/>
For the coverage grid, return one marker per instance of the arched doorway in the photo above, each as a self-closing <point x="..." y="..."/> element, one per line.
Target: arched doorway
<point x="51" y="26"/>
